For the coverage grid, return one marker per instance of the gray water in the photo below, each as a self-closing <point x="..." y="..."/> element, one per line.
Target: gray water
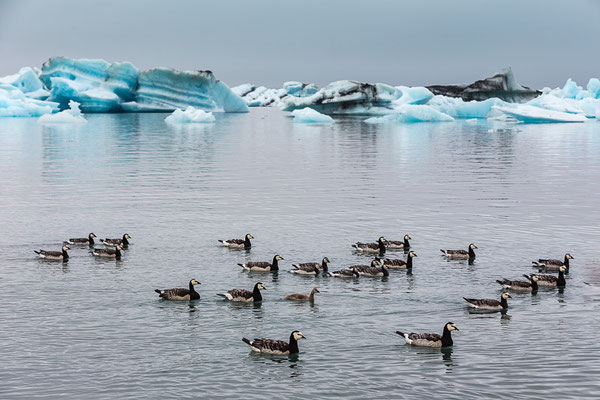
<point x="96" y="329"/>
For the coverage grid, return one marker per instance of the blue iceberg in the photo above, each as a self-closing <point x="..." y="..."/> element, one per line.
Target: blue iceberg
<point x="411" y="113"/>
<point x="310" y="116"/>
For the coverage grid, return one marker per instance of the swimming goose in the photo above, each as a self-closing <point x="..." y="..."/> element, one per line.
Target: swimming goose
<point x="430" y="339"/>
<point x="311" y="268"/>
<point x="398" y="244"/>
<point x="244" y="295"/>
<point x="302" y="296"/>
<point x="520" y="286"/>
<point x="124" y="242"/>
<point x="345" y="273"/>
<point x="180" y="293"/>
<point x="490" y="304"/>
<point x="109" y="253"/>
<point x="82" y="241"/>
<point x="393" y="263"/>
<point x="378" y="247"/>
<point x="238" y="243"/>
<point x="262" y="266"/>
<point x="460" y="254"/>
<point x="372" y="270"/>
<point x="553" y="264"/>
<point x="54" y="255"/>
<point x="551" y="280"/>
<point x="270" y="346"/>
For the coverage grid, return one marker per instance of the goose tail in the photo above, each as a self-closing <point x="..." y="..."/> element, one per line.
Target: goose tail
<point x="247" y="341"/>
<point x="222" y="295"/>
<point x="400" y="333"/>
<point x="37" y="252"/>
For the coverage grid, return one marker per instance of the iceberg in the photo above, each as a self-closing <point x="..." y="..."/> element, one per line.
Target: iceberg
<point x="310" y="116"/>
<point x="261" y="96"/>
<point x="534" y="115"/>
<point x="27" y="81"/>
<point x="15" y="103"/>
<point x="100" y="86"/>
<point x="458" y="108"/>
<point x="411" y="113"/>
<point x="165" y="89"/>
<point x="347" y="97"/>
<point x="413" y="95"/>
<point x="190" y="115"/>
<point x="70" y="116"/>
<point x="502" y="85"/>
<point x="299" y="89"/>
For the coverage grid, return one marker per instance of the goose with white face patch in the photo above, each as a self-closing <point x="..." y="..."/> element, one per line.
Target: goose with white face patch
<point x="54" y="255"/>
<point x="88" y="241"/>
<point x="263" y="266"/>
<point x="551" y="280"/>
<point x="490" y="304"/>
<point x="303" y="297"/>
<point x="378" y="247"/>
<point x="311" y="268"/>
<point x="238" y="243"/>
<point x="277" y="347"/>
<point x="108" y="253"/>
<point x="345" y="273"/>
<point x="520" y="286"/>
<point x="123" y="242"/>
<point x="181" y="294"/>
<point x="553" y="264"/>
<point x="468" y="254"/>
<point x="245" y="296"/>
<point x="431" y="339"/>
<point x="372" y="270"/>
<point x="398" y="244"/>
<point x="393" y="263"/>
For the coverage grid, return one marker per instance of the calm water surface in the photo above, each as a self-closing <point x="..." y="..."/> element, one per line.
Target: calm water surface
<point x="96" y="329"/>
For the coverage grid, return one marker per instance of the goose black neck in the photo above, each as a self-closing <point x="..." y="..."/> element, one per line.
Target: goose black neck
<point x="117" y="253"/>
<point x="534" y="285"/>
<point x="471" y="252"/>
<point x="381" y="246"/>
<point x="293" y="345"/>
<point x="275" y="264"/>
<point x="385" y="271"/>
<point x="561" y="279"/>
<point x="503" y="302"/>
<point x="91" y="241"/>
<point x="125" y="241"/>
<point x="409" y="262"/>
<point x="193" y="294"/>
<point x="324" y="266"/>
<point x="256" y="296"/>
<point x="247" y="243"/>
<point x="566" y="262"/>
<point x="406" y="243"/>
<point x="65" y="254"/>
<point x="447" y="338"/>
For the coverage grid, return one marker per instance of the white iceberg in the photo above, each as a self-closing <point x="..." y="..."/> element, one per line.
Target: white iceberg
<point x="14" y="103"/>
<point x="299" y="89"/>
<point x="191" y="115"/>
<point x="261" y="96"/>
<point x="310" y="116"/>
<point x="347" y="97"/>
<point x="410" y="113"/>
<point x="72" y="115"/>
<point x="27" y="81"/>
<point x="534" y="115"/>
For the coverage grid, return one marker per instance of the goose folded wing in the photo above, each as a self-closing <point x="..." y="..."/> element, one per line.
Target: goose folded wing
<point x="270" y="345"/>
<point x="236" y="241"/>
<point x="457" y="252"/>
<point x="176" y="292"/>
<point x="430" y="337"/>
<point x="240" y="293"/>
<point x="484" y="302"/>
<point x="258" y="264"/>
<point x="550" y="262"/>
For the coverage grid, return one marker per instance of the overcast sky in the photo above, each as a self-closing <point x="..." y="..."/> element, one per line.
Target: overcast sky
<point x="269" y="42"/>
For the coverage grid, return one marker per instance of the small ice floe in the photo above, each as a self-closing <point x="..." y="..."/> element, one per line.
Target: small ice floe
<point x="72" y="115"/>
<point x="190" y="116"/>
<point x="532" y="114"/>
<point x="310" y="116"/>
<point x="409" y="113"/>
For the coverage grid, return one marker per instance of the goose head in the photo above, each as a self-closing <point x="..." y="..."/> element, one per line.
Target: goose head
<point x="65" y="248"/>
<point x="406" y="237"/>
<point x="297" y="335"/>
<point x="472" y="246"/>
<point x="260" y="286"/>
<point x="249" y="236"/>
<point x="568" y="256"/>
<point x="505" y="296"/>
<point x="92" y="235"/>
<point x="412" y="254"/>
<point x="451" y="326"/>
<point x="194" y="282"/>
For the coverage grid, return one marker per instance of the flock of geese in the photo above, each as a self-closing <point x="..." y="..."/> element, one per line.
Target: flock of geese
<point x="378" y="267"/>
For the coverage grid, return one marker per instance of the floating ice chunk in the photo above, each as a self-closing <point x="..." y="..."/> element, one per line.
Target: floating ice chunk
<point x="593" y="88"/>
<point x="300" y="89"/>
<point x="14" y="103"/>
<point x="412" y="113"/>
<point x="165" y="89"/>
<point x="72" y="115"/>
<point x="532" y="115"/>
<point x="589" y="106"/>
<point x="190" y="115"/>
<point x="551" y="102"/>
<point x="28" y="82"/>
<point x="458" y="108"/>
<point x="347" y="97"/>
<point x="413" y="95"/>
<point x="570" y="90"/>
<point x="310" y="116"/>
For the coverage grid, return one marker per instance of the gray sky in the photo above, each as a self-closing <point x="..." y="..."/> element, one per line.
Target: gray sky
<point x="269" y="42"/>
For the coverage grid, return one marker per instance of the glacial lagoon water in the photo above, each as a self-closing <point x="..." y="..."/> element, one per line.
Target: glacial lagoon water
<point x="96" y="329"/>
